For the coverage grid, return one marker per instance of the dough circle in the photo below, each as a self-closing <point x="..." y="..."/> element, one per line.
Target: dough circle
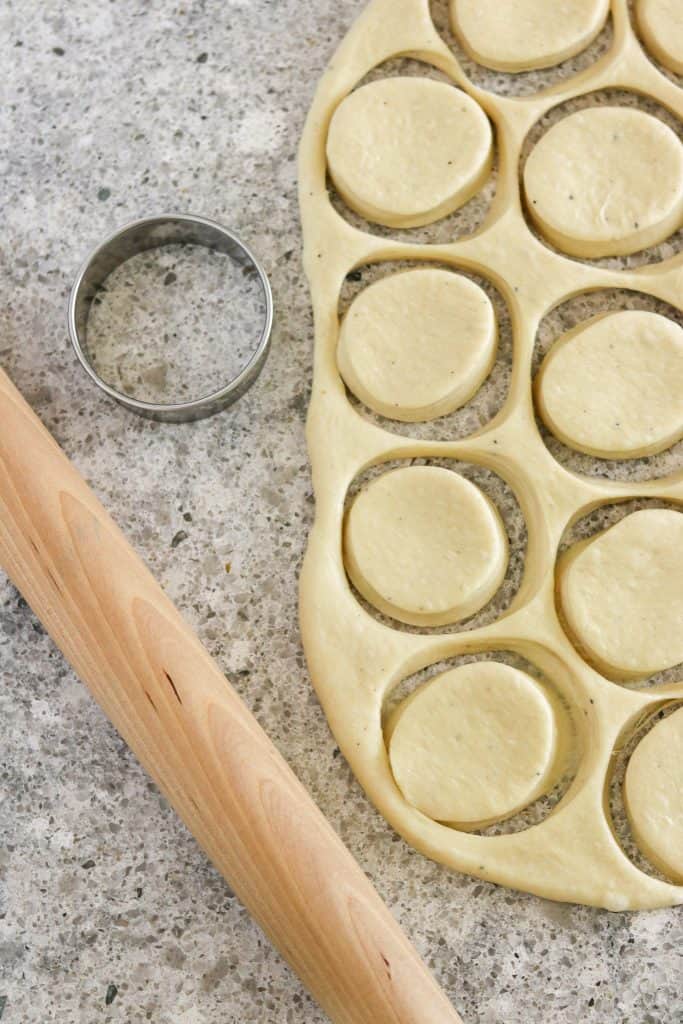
<point x="621" y="593"/>
<point x="612" y="386"/>
<point x="661" y="26"/>
<point x="407" y="151"/>
<point x="418" y="344"/>
<point x="520" y="35"/>
<point x="425" y="546"/>
<point x="606" y="181"/>
<point x="474" y="745"/>
<point x="653" y="794"/>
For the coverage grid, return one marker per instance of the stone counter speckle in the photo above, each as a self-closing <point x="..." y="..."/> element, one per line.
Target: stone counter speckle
<point x="110" y="911"/>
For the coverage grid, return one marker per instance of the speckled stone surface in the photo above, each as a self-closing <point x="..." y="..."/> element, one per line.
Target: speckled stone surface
<point x="109" y="910"/>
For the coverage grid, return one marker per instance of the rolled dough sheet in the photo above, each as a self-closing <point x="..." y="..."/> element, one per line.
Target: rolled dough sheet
<point x="519" y="35"/>
<point x="421" y="543"/>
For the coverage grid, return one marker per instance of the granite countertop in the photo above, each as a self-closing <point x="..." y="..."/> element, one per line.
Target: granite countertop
<point x="110" y="911"/>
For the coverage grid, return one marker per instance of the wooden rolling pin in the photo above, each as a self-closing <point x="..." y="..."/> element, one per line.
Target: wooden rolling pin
<point x="204" y="749"/>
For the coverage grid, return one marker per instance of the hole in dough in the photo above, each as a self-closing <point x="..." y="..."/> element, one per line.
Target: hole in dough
<point x="520" y="82"/>
<point x="487" y="400"/>
<point x="520" y="35"/>
<point x="653" y="795"/>
<point x="661" y="26"/>
<point x="473" y="745"/>
<point x="463" y="221"/>
<point x="570" y="315"/>
<point x="606" y="181"/>
<point x="424" y="545"/>
<point x="612" y="386"/>
<point x="418" y="344"/>
<point x="621" y="593"/>
<point x="407" y="151"/>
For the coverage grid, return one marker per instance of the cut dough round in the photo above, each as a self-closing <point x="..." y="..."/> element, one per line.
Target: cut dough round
<point x="612" y="386"/>
<point x="473" y="745"/>
<point x="622" y="594"/>
<point x="606" y="181"/>
<point x="418" y="344"/>
<point x="407" y="151"/>
<point x="425" y="546"/>
<point x="661" y="26"/>
<point x="519" y="35"/>
<point x="653" y="794"/>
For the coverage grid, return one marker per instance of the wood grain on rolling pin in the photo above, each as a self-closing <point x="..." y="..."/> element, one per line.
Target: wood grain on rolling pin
<point x="175" y="709"/>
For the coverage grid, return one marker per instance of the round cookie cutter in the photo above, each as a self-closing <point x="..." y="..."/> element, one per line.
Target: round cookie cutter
<point x="151" y="233"/>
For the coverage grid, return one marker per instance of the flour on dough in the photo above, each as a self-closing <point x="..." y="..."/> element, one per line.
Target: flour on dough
<point x="613" y="386"/>
<point x="407" y="151"/>
<point x="519" y="35"/>
<point x="424" y="545"/>
<point x="622" y="594"/>
<point x="653" y="793"/>
<point x="473" y="745"/>
<point x="661" y="26"/>
<point x="418" y="344"/>
<point x="606" y="181"/>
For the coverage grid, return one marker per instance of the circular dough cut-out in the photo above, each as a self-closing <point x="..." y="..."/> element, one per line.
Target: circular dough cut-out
<point x="612" y="386"/>
<point x="474" y="745"/>
<point x="606" y="181"/>
<point x="661" y="26"/>
<point x="622" y="594"/>
<point x="653" y="794"/>
<point x="418" y="344"/>
<point x="425" y="546"/>
<point x="406" y="151"/>
<point x="520" y="35"/>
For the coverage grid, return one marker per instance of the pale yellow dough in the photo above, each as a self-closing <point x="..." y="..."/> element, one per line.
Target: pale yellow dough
<point x="622" y="594"/>
<point x="606" y="181"/>
<point x="425" y="546"/>
<point x="613" y="386"/>
<point x="356" y="660"/>
<point x="519" y="35"/>
<point x="407" y="151"/>
<point x="473" y="745"/>
<point x="417" y="345"/>
<point x="661" y="26"/>
<point x="653" y="792"/>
